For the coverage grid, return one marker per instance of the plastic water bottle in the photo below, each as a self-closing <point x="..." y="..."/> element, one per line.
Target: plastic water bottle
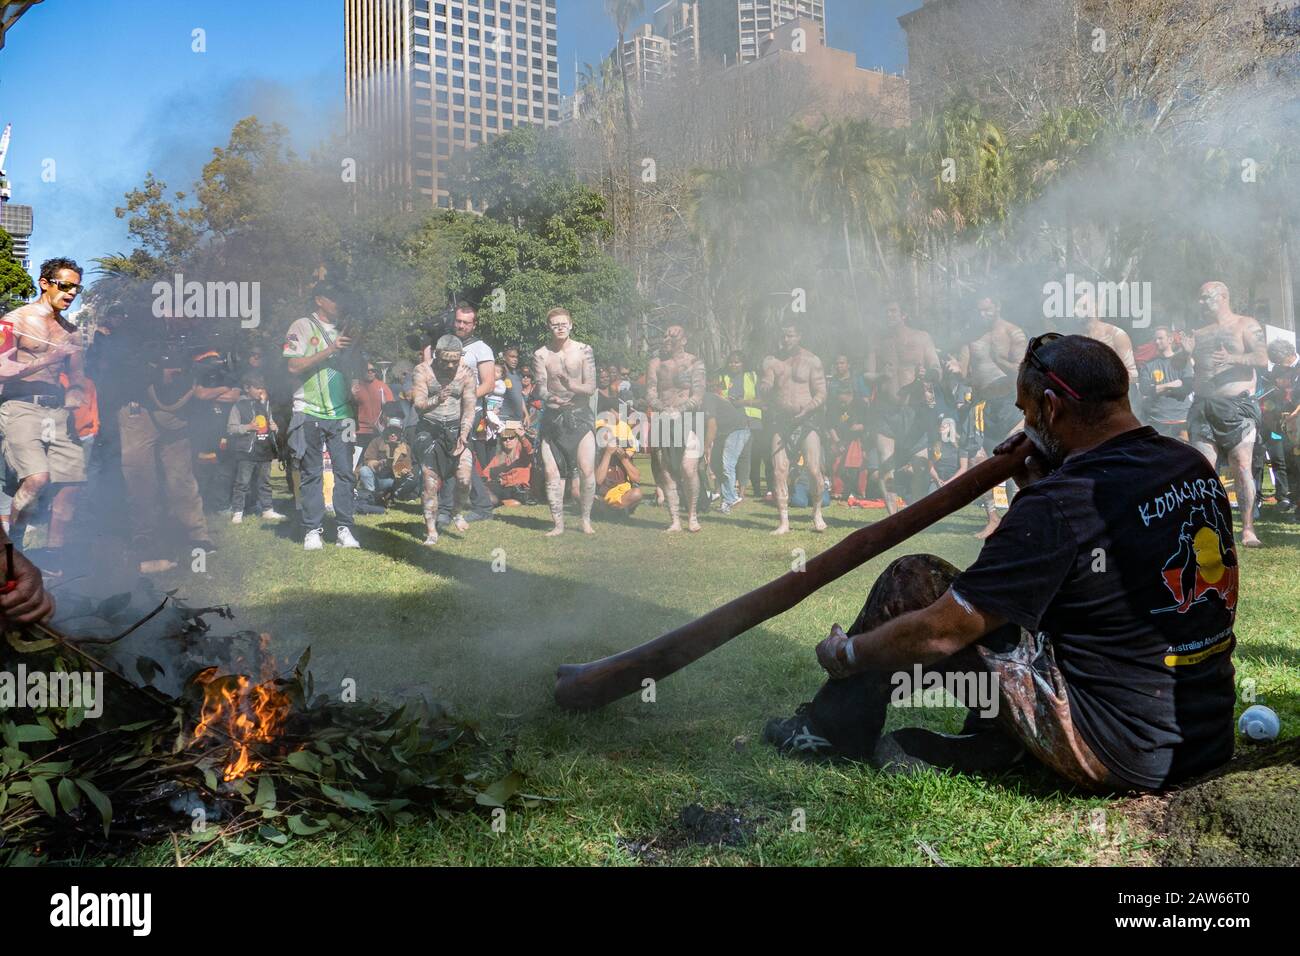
<point x="1259" y="723"/>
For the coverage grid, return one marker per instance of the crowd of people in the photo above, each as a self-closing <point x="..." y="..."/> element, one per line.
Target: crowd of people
<point x="466" y="430"/>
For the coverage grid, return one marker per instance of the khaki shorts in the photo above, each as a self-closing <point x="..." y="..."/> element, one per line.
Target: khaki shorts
<point x="38" y="440"/>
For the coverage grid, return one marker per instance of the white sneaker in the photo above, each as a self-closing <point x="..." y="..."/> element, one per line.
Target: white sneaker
<point x="237" y="518"/>
<point x="345" y="539"/>
<point x="313" y="540"/>
<point x="272" y="515"/>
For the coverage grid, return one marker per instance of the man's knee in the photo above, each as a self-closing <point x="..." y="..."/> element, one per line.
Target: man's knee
<point x="34" y="484"/>
<point x="909" y="583"/>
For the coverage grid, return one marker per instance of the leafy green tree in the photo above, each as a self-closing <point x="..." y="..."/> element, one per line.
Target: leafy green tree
<point x="515" y="276"/>
<point x="15" y="285"/>
<point x="523" y="177"/>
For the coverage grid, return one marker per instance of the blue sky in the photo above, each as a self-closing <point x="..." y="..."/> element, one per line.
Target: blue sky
<point x="110" y="89"/>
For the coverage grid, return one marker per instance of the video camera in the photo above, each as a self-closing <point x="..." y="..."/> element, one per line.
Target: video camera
<point x="424" y="332"/>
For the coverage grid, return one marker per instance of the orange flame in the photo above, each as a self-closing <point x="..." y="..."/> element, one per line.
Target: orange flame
<point x="243" y="713"/>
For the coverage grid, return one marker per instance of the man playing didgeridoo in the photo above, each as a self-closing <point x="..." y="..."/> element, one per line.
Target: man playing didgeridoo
<point x="1094" y="631"/>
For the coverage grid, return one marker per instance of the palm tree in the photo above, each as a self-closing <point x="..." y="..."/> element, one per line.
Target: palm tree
<point x="851" y="178"/>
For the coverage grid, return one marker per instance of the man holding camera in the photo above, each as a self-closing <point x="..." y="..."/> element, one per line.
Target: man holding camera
<point x="319" y="353"/>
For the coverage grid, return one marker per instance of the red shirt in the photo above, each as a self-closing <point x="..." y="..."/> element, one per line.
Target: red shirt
<point x="370" y="405"/>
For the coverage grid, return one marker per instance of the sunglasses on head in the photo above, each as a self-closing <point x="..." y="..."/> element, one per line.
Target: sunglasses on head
<point x="73" y="287"/>
<point x="1035" y="360"/>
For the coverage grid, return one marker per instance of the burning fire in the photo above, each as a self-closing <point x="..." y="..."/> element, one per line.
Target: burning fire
<point x="241" y="712"/>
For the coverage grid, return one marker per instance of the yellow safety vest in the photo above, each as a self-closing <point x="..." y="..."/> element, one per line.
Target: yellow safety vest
<point x="750" y="386"/>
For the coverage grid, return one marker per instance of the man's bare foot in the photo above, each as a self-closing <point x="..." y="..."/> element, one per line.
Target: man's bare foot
<point x="156" y="567"/>
<point x="556" y="531"/>
<point x="587" y="528"/>
<point x="994" y="521"/>
<point x="431" y="539"/>
<point x="460" y="524"/>
<point x="693" y="525"/>
<point x="819" y="524"/>
<point x="782" y="528"/>
<point x="1250" y="540"/>
<point x="673" y="528"/>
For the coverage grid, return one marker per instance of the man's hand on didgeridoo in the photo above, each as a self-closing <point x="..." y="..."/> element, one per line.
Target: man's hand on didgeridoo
<point x="1032" y="470"/>
<point x="28" y="602"/>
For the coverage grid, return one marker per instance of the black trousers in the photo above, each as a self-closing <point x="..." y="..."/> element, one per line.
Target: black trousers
<point x="851" y="712"/>
<point x="1286" y="466"/>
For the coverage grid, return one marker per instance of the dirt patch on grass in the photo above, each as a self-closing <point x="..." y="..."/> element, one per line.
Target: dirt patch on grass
<point x="1246" y="814"/>
<point x="719" y="827"/>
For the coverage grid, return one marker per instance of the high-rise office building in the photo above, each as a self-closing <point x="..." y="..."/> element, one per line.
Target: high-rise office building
<point x="734" y="31"/>
<point x="426" y="80"/>
<point x="647" y="58"/>
<point x="16" y="219"/>
<point x="678" y="21"/>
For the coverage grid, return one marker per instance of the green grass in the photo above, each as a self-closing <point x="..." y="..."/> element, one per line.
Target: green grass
<point x="401" y="619"/>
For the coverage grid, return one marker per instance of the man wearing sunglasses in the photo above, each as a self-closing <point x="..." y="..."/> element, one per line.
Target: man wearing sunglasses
<point x="35" y="409"/>
<point x="1224" y="418"/>
<point x="1094" y="632"/>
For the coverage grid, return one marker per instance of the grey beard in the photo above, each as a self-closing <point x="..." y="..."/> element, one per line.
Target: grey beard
<point x="1048" y="447"/>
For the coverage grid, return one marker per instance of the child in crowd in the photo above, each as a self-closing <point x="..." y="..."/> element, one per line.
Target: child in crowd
<point x="252" y="433"/>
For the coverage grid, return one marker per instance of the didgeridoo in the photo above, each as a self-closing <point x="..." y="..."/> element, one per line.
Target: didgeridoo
<point x="589" y="686"/>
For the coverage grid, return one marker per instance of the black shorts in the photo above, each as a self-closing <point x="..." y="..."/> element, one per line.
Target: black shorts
<point x="563" y="429"/>
<point x="792" y="433"/>
<point x="1223" y="422"/>
<point x="895" y="421"/>
<point x="433" y="447"/>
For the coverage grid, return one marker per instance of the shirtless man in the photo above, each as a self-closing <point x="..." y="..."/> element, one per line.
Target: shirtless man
<point x="443" y="392"/>
<point x="1225" y="417"/>
<point x="675" y="395"/>
<point x="900" y="356"/>
<point x="1085" y="312"/>
<point x="36" y="410"/>
<point x="794" y="387"/>
<point x="565" y="373"/>
<point x="989" y="365"/>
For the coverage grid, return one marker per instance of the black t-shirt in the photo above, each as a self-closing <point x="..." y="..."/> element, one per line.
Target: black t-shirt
<point x="729" y="417"/>
<point x="208" y="418"/>
<point x="842" y="418"/>
<point x="1168" y="406"/>
<point x="1125" y="558"/>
